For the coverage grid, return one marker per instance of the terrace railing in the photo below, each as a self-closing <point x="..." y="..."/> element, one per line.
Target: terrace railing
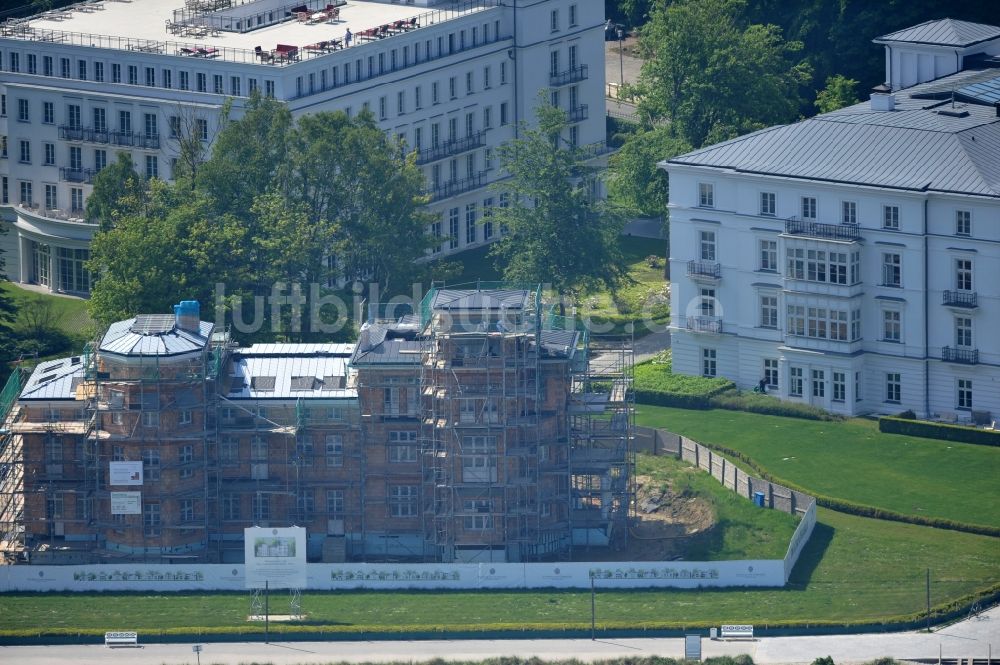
<point x="455" y="187"/>
<point x="800" y="227"/>
<point x="572" y="75"/>
<point x="450" y="148"/>
<point x="968" y="299"/>
<point x="951" y="354"/>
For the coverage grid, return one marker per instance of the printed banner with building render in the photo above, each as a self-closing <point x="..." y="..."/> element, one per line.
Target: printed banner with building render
<point x="125" y="473"/>
<point x="126" y="503"/>
<point x="276" y="557"/>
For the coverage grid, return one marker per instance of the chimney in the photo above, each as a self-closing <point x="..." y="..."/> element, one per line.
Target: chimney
<point x="187" y="316"/>
<point x="882" y="98"/>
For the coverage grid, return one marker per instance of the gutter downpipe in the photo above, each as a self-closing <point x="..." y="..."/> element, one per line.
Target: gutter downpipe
<point x="927" y="348"/>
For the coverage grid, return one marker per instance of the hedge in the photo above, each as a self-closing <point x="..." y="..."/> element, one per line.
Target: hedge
<point x="944" y="431"/>
<point x="859" y="509"/>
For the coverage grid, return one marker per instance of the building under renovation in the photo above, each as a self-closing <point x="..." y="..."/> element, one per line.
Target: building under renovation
<point x="480" y="428"/>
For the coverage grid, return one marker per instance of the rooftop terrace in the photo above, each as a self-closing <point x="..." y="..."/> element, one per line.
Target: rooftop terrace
<point x="312" y="27"/>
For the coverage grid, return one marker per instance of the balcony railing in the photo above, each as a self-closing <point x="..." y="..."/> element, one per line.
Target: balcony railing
<point x="704" y="324"/>
<point x="77" y="175"/>
<point x="569" y="76"/>
<point x="450" y="148"/>
<point x="593" y="150"/>
<point x="137" y="140"/>
<point x="798" y="227"/>
<point x="960" y="299"/>
<point x="578" y="113"/>
<point x="704" y="269"/>
<point x="456" y="187"/>
<point x="964" y="356"/>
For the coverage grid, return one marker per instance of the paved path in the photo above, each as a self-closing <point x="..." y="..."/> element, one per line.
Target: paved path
<point x="969" y="639"/>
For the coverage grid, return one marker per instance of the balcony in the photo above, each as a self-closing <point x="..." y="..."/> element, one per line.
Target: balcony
<point x="845" y="232"/>
<point x="965" y="299"/>
<point x="76" y="215"/>
<point x="455" y="187"/>
<point x="77" y="175"/>
<point x="963" y="356"/>
<point x="136" y="140"/>
<point x="572" y="75"/>
<point x="704" y="270"/>
<point x="578" y="113"/>
<point x="595" y="150"/>
<point x="450" y="148"/>
<point x="704" y="324"/>
<point x="87" y="134"/>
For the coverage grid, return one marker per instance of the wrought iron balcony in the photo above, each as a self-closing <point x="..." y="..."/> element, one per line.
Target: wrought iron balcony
<point x="798" y="227"/>
<point x="710" y="269"/>
<point x="578" y="113"/>
<point x="964" y="356"/>
<point x="572" y="75"/>
<point x="88" y="134"/>
<point x="455" y="187"/>
<point x="704" y="324"/>
<point x="135" y="139"/>
<point x="960" y="299"/>
<point x="77" y="175"/>
<point x="450" y="148"/>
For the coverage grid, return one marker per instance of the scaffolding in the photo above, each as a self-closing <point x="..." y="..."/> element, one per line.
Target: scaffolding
<point x="11" y="467"/>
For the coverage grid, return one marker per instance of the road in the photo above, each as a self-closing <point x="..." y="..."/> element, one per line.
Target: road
<point x="969" y="639"/>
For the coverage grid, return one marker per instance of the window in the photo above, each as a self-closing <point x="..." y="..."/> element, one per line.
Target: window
<point x="25" y="189"/>
<point x="99" y="71"/>
<point x="892" y="269"/>
<point x="201" y="129"/>
<point x="855" y="325"/>
<point x="185" y="417"/>
<point x="32" y="63"/>
<point x="116" y="73"/>
<point x="304" y="451"/>
<point x="15" y="62"/>
<point x="435" y="96"/>
<point x="470" y="223"/>
<point x="400" y="102"/>
<point x="76" y="199"/>
<point x="839" y="386"/>
<point x="48" y="113"/>
<point x="708" y="366"/>
<point x="260" y="506"/>
<point x="151" y="518"/>
<point x="808" y="207"/>
<point x="152" y="166"/>
<point x="890" y="217"/>
<point x="503" y="114"/>
<point x="849" y="212"/>
<point x="453" y="223"/>
<point x="477" y="514"/>
<point x="334" y="450"/>
<point x="769" y="311"/>
<point x="124" y="121"/>
<point x="767" y="204"/>
<point x="963" y="274"/>
<point x="403" y="500"/>
<point x="818" y="383"/>
<point x="182" y="81"/>
<point x="453" y="87"/>
<point x="381" y="108"/>
<point x="706" y="195"/>
<point x="964" y="401"/>
<point x="235" y="87"/>
<point x="402" y="446"/>
<point x="3" y="147"/>
<point x="4" y="192"/>
<point x="100" y="159"/>
<point x="707" y="302"/>
<point x="335" y="502"/>
<point x="187" y="510"/>
<point x="768" y="255"/>
<point x="487" y="218"/>
<point x="468" y="83"/>
<point x="151" y="418"/>
<point x="258" y="449"/>
<point x="150" y="124"/>
<point x="269" y="89"/>
<point x="771" y="372"/>
<point x="707" y="245"/>
<point x="963" y="332"/>
<point x="3" y="106"/>
<point x="963" y="223"/>
<point x="174" y="126"/>
<point x="100" y="119"/>
<point x="151" y="464"/>
<point x="893" y="387"/>
<point x="305" y="502"/>
<point x="150" y="74"/>
<point x="795" y="381"/>
<point x="133" y="75"/>
<point x="488" y="159"/>
<point x="25" y="151"/>
<point x="230" y="506"/>
<point x="857" y="386"/>
<point x="51" y="200"/>
<point x="50" y="154"/>
<point x="73" y="116"/>
<point x="201" y="82"/>
<point x="23" y="111"/>
<point x="229" y="450"/>
<point x="53" y="449"/>
<point x="554" y="20"/>
<point x="572" y="16"/>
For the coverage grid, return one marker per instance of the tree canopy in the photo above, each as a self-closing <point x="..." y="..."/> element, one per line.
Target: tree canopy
<point x="712" y="77"/>
<point x="838" y="93"/>
<point x="635" y="182"/>
<point x="556" y="230"/>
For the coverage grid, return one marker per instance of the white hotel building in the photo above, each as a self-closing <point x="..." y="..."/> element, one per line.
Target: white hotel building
<point x="852" y="260"/>
<point x="453" y="79"/>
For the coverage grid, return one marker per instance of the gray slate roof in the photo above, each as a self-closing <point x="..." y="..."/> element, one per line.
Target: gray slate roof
<point x="382" y="351"/>
<point x="54" y="379"/>
<point x="943" y="32"/>
<point x="124" y="338"/>
<point x="299" y="374"/>
<point x="456" y="299"/>
<point x="913" y="147"/>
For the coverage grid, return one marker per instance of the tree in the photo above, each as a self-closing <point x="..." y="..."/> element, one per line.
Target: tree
<point x="710" y="76"/>
<point x="118" y="190"/>
<point x="635" y="182"/>
<point x="557" y="231"/>
<point x="839" y="92"/>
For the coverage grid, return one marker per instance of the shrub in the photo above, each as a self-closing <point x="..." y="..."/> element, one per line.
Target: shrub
<point x="736" y="400"/>
<point x="656" y="376"/>
<point x="944" y="431"/>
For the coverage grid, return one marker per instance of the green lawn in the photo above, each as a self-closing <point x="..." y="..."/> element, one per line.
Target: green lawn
<point x="852" y="460"/>
<point x="69" y="314"/>
<point x="742" y="531"/>
<point x="853" y="569"/>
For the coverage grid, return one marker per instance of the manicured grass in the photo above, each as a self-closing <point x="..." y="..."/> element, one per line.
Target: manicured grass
<point x="853" y="569"/>
<point x="742" y="531"/>
<point x="852" y="460"/>
<point x="69" y="314"/>
<point x="657" y="375"/>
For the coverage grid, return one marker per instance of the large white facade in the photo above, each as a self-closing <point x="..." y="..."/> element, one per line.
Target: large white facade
<point x="850" y="261"/>
<point x="81" y="85"/>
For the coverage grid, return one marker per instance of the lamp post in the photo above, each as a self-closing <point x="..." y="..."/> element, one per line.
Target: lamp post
<point x="621" y="56"/>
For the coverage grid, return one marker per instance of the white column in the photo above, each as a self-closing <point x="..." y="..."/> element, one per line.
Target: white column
<point x="53" y="264"/>
<point x="25" y="258"/>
